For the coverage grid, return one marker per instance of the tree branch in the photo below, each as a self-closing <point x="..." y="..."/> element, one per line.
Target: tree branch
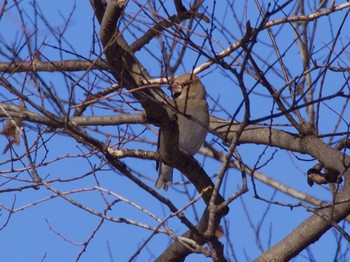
<point x="308" y="232"/>
<point x="52" y="66"/>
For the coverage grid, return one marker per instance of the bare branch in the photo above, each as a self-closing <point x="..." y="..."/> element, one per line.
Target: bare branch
<point x="52" y="66"/>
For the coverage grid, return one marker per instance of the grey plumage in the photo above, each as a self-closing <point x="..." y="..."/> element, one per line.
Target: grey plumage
<point x="192" y="133"/>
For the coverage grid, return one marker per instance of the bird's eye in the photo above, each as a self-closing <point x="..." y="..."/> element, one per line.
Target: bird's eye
<point x="176" y="95"/>
<point x="176" y="89"/>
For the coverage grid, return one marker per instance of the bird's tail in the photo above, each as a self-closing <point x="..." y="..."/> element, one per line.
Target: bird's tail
<point x="165" y="177"/>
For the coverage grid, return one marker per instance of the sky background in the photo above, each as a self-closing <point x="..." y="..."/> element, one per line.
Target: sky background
<point x="33" y="234"/>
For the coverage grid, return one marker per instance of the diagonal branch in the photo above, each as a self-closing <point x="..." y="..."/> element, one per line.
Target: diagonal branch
<point x="308" y="232"/>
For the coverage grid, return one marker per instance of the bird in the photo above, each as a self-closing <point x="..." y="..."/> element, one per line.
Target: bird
<point x="189" y="99"/>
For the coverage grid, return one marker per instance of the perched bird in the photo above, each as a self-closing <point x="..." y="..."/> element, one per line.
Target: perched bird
<point x="189" y="99"/>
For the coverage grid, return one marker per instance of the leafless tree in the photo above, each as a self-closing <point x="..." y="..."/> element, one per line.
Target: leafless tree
<point x="81" y="110"/>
